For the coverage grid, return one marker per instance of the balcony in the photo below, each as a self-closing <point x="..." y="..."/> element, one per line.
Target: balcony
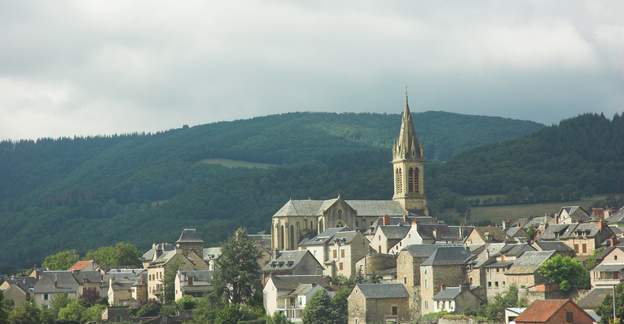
<point x="293" y="314"/>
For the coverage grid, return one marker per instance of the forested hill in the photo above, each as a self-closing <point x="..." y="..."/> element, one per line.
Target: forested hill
<point x="86" y="192"/>
<point x="578" y="157"/>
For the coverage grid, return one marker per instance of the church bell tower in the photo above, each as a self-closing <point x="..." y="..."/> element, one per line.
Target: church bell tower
<point x="408" y="167"/>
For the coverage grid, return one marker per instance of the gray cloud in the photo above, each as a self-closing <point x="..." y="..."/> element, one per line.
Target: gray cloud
<point x="98" y="67"/>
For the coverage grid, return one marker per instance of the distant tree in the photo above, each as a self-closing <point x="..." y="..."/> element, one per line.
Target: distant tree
<point x="73" y="311"/>
<point x="151" y="308"/>
<point x="93" y="313"/>
<point x="27" y="313"/>
<point x="4" y="310"/>
<point x="605" y="310"/>
<point x="531" y="233"/>
<point x="277" y="318"/>
<point x="120" y="254"/>
<point x="61" y="260"/>
<point x="205" y="310"/>
<point x="58" y="302"/>
<point x="567" y="272"/>
<point x="340" y="305"/>
<point x="187" y="302"/>
<point x="319" y="309"/>
<point x="495" y="309"/>
<point x="237" y="276"/>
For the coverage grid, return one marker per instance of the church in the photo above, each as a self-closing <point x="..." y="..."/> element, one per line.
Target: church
<point x="299" y="219"/>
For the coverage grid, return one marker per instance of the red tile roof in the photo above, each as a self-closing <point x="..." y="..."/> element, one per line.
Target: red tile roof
<point x="543" y="310"/>
<point x="80" y="265"/>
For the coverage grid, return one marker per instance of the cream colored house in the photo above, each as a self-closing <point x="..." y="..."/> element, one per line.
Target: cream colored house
<point x="445" y="267"/>
<point x="378" y="303"/>
<point x="195" y="283"/>
<point x="387" y="236"/>
<point x="338" y="250"/>
<point x="289" y="294"/>
<point x="572" y="214"/>
<point x="126" y="288"/>
<point x="187" y="256"/>
<point x="610" y="271"/>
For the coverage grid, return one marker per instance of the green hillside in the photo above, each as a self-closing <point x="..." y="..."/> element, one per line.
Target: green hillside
<point x="87" y="192"/>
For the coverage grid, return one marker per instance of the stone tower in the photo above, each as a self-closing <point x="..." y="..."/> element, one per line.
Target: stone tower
<point x="408" y="167"/>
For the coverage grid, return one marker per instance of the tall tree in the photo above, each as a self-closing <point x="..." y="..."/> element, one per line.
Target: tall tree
<point x="567" y="272"/>
<point x="319" y="309"/>
<point x="3" y="309"/>
<point x="237" y="275"/>
<point x="605" y="310"/>
<point x="61" y="260"/>
<point x="27" y="313"/>
<point x="340" y="305"/>
<point x="120" y="254"/>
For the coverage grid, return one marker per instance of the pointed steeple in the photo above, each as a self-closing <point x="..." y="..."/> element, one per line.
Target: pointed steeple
<point x="406" y="146"/>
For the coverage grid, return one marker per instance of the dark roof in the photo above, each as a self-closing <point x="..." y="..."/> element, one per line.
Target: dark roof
<point x="515" y="250"/>
<point x="593" y="299"/>
<point x="554" y="231"/>
<point x="448" y="255"/>
<point x="88" y="276"/>
<point x="291" y="282"/>
<point x="448" y="293"/>
<point x="324" y="236"/>
<point x="541" y="311"/>
<point x="383" y="290"/>
<point x="516" y="231"/>
<point x="362" y="207"/>
<point x="25" y="283"/>
<point x="149" y="254"/>
<point x="344" y="237"/>
<point x="553" y="246"/>
<point x="56" y="282"/>
<point x="491" y="234"/>
<point x="189" y="235"/>
<point x="287" y="260"/>
<point x="421" y="250"/>
<point x="394" y="232"/>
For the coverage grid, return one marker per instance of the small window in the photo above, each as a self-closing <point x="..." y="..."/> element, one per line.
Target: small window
<point x="495" y="283"/>
<point x="334" y="254"/>
<point x="497" y="270"/>
<point x="584" y="248"/>
<point x="615" y="257"/>
<point x="576" y="248"/>
<point x="340" y="266"/>
<point x="342" y="253"/>
<point x="357" y="321"/>
<point x="45" y="296"/>
<point x="569" y="317"/>
<point x="395" y="310"/>
<point x="489" y="284"/>
<point x="405" y="280"/>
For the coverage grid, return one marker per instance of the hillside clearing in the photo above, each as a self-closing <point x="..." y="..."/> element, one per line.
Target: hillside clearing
<point x="237" y="164"/>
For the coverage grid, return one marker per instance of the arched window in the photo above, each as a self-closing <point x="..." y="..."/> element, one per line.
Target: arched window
<point x="291" y="238"/>
<point x="396" y="180"/>
<point x="400" y="180"/>
<point x="281" y="237"/>
<point x="410" y="181"/>
<point x="416" y="180"/>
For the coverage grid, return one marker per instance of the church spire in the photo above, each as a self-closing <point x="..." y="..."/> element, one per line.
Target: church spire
<point x="407" y="146"/>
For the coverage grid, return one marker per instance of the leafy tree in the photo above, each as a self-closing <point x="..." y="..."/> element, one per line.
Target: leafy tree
<point x="567" y="272"/>
<point x="187" y="302"/>
<point x="61" y="260"/>
<point x="73" y="311"/>
<point x="205" y="310"/>
<point x="277" y="318"/>
<point x="592" y="260"/>
<point x="605" y="310"/>
<point x="120" y="254"/>
<point x="27" y="313"/>
<point x="495" y="310"/>
<point x="319" y="309"/>
<point x="58" y="302"/>
<point x="151" y="308"/>
<point x="93" y="313"/>
<point x="4" y="315"/>
<point x="531" y="233"/>
<point x="340" y="305"/>
<point x="237" y="276"/>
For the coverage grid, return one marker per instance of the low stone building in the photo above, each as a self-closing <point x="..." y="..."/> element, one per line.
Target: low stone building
<point x="54" y="283"/>
<point x="486" y="234"/>
<point x="572" y="214"/>
<point x="409" y="261"/>
<point x="338" y="250"/>
<point x="379" y="303"/>
<point x="524" y="271"/>
<point x="455" y="300"/>
<point x="445" y="267"/>
<point x="18" y="289"/>
<point x="378" y="266"/>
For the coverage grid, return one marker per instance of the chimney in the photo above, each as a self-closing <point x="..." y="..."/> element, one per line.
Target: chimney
<point x="435" y="233"/>
<point x="386" y="220"/>
<point x="504" y="225"/>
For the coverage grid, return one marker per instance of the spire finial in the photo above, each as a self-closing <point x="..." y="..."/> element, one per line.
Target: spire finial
<point x="406" y="101"/>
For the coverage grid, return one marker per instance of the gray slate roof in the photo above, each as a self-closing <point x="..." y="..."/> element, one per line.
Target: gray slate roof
<point x="149" y="255"/>
<point x="553" y="246"/>
<point x="189" y="235"/>
<point x="324" y="236"/>
<point x="56" y="282"/>
<point x="448" y="255"/>
<point x="421" y="250"/>
<point x="593" y="299"/>
<point x="609" y="267"/>
<point x="554" y="231"/>
<point x="362" y="207"/>
<point x="291" y="282"/>
<point x="287" y="260"/>
<point x="515" y="250"/>
<point x="344" y="237"/>
<point x="394" y="232"/>
<point x="529" y="262"/>
<point x="88" y="276"/>
<point x="383" y="290"/>
<point x="448" y="293"/>
<point x="25" y="283"/>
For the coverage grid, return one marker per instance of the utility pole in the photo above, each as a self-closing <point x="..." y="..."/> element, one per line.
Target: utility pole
<point x="613" y="304"/>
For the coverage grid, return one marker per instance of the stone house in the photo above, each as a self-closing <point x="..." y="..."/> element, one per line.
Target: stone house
<point x="585" y="238"/>
<point x="53" y="283"/>
<point x="554" y="311"/>
<point x="18" y="289"/>
<point x="445" y="267"/>
<point x="495" y="279"/>
<point x="90" y="283"/>
<point x="319" y="244"/>
<point x="127" y="290"/>
<point x="195" y="283"/>
<point x="338" y="250"/>
<point x="292" y="263"/>
<point x="455" y="300"/>
<point x="431" y="233"/>
<point x="409" y="260"/>
<point x="610" y="271"/>
<point x="524" y="271"/>
<point x="288" y="294"/>
<point x="572" y="214"/>
<point x="387" y="236"/>
<point x="188" y="255"/>
<point x="486" y="234"/>
<point x="557" y="246"/>
<point x="378" y="303"/>
<point x="378" y="266"/>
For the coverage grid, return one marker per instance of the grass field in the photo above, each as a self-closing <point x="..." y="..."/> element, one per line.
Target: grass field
<point x="237" y="164"/>
<point x="497" y="213"/>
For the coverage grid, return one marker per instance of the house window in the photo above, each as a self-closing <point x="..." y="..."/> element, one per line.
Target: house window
<point x="395" y="310"/>
<point x="576" y="248"/>
<point x="340" y="266"/>
<point x="45" y="296"/>
<point x="584" y="248"/>
<point x="569" y="317"/>
<point x="342" y="253"/>
<point x="615" y="257"/>
<point x="334" y="253"/>
<point x="616" y="275"/>
<point x="489" y="284"/>
<point x="357" y="320"/>
<point x="497" y="270"/>
<point x="496" y="284"/>
<point x="405" y="280"/>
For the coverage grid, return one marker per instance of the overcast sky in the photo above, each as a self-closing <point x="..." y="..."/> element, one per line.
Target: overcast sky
<point x="102" y="67"/>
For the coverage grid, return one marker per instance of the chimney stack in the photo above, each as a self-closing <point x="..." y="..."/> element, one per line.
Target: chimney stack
<point x="386" y="220"/>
